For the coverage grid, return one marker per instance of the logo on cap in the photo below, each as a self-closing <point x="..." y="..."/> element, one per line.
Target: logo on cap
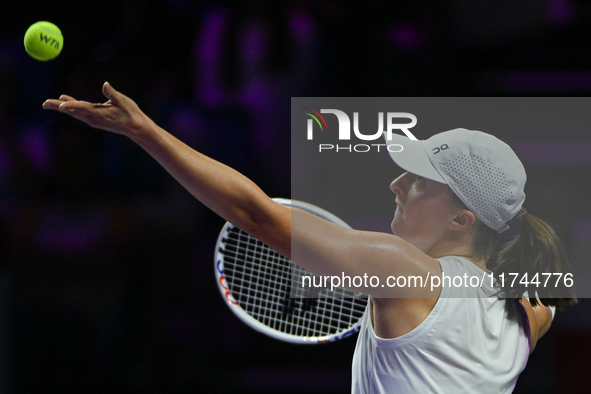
<point x="442" y="147"/>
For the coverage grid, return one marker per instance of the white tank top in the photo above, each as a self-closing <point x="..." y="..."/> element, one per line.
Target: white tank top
<point x="471" y="345"/>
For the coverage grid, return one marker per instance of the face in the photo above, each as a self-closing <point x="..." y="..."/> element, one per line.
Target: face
<point x="424" y="210"/>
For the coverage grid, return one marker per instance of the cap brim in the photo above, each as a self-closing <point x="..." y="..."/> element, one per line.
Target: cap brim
<point x="413" y="157"/>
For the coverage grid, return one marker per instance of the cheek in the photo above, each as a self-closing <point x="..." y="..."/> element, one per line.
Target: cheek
<point x="439" y="217"/>
<point x="428" y="213"/>
<point x="410" y="222"/>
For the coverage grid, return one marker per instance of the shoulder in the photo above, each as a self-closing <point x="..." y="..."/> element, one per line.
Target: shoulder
<point x="389" y="266"/>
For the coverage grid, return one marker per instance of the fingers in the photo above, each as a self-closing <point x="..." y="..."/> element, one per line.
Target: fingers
<point x="68" y="102"/>
<point x="52" y="104"/>
<point x="118" y="114"/>
<point x="110" y="93"/>
<point x="72" y="107"/>
<point x="69" y="106"/>
<point x="118" y="99"/>
<point x="55" y="103"/>
<point x="82" y="110"/>
<point x="65" y="97"/>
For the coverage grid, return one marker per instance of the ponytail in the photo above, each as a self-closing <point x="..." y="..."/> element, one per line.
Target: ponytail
<point x="536" y="251"/>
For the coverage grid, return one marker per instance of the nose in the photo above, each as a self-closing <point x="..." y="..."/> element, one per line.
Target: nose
<point x="398" y="185"/>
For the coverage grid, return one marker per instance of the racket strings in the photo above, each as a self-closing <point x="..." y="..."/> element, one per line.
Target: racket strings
<point x="261" y="281"/>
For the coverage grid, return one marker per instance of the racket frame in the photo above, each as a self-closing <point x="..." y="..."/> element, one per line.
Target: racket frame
<point x="250" y="320"/>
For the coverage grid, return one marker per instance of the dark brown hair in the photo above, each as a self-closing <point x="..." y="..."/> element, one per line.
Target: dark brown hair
<point x="537" y="249"/>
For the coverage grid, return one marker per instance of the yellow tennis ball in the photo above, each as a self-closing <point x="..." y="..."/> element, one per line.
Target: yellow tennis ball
<point x="43" y="41"/>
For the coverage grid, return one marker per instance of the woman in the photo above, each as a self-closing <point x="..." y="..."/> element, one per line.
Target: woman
<point x="462" y="189"/>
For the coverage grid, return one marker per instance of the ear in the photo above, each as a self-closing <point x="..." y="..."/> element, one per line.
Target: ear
<point x="462" y="220"/>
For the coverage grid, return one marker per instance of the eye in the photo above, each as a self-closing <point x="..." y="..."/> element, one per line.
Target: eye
<point x="420" y="179"/>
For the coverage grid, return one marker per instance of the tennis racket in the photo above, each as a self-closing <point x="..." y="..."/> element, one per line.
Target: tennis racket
<point x="260" y="286"/>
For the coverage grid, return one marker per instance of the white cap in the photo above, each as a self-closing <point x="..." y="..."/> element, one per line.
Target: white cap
<point x="482" y="170"/>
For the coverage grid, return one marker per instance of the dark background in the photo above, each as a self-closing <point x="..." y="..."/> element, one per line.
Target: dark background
<point x="106" y="274"/>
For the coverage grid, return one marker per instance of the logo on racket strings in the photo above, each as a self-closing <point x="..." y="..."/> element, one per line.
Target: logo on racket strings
<point x="290" y="305"/>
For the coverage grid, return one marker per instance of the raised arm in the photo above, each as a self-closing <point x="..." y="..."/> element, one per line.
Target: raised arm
<point x="316" y="244"/>
<point x="224" y="190"/>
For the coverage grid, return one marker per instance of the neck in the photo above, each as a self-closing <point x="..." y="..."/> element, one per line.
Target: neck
<point x="460" y="250"/>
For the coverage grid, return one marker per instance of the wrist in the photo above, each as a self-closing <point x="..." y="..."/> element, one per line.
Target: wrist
<point x="141" y="128"/>
<point x="147" y="135"/>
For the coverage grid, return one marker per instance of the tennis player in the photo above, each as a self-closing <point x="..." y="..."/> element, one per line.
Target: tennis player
<point x="462" y="189"/>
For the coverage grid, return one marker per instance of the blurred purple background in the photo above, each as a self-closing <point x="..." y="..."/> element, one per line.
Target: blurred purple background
<point x="106" y="277"/>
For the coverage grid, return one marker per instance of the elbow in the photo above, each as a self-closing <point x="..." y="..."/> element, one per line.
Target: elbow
<point x="271" y="226"/>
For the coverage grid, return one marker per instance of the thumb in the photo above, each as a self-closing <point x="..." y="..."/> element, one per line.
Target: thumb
<point x="110" y="93"/>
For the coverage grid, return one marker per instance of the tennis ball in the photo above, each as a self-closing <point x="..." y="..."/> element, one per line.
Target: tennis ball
<point x="43" y="41"/>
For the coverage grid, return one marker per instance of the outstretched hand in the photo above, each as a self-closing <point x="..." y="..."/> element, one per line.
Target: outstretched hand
<point x="119" y="114"/>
